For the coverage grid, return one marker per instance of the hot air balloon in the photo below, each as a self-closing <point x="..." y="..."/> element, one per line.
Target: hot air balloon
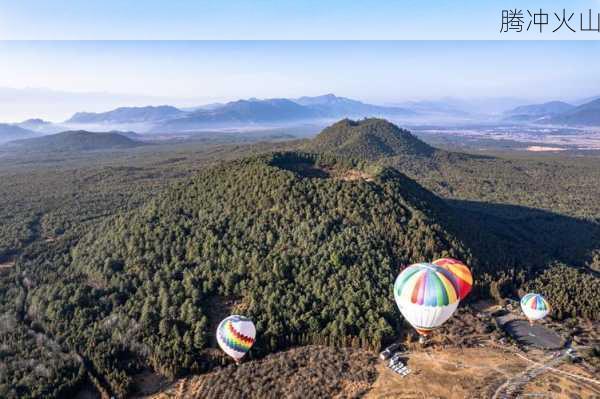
<point x="425" y="296"/>
<point x="461" y="275"/>
<point x="534" y="306"/>
<point x="235" y="336"/>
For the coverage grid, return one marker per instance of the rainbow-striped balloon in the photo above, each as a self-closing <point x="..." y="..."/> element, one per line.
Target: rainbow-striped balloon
<point x="534" y="306"/>
<point x="461" y="275"/>
<point x="425" y="296"/>
<point x="236" y="335"/>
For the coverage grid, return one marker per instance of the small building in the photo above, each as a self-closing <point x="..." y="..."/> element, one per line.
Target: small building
<point x="389" y="351"/>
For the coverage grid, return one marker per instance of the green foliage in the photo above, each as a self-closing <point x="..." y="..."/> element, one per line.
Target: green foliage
<point x="571" y="292"/>
<point x="565" y="185"/>
<point x="33" y="366"/>
<point x="368" y="139"/>
<point x="307" y="245"/>
<point x="80" y="140"/>
<point x="310" y="260"/>
<point x="328" y="370"/>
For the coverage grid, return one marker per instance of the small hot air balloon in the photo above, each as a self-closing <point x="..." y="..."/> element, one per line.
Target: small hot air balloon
<point x="534" y="306"/>
<point x="461" y="275"/>
<point x="425" y="296"/>
<point x="235" y="336"/>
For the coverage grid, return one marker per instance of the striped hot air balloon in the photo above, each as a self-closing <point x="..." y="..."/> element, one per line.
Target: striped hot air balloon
<point x="236" y="335"/>
<point x="425" y="296"/>
<point x="461" y="275"/>
<point x="534" y="306"/>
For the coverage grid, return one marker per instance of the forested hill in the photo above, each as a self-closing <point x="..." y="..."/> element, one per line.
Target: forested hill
<point x="11" y="132"/>
<point x="306" y="246"/>
<point x="587" y="114"/>
<point x="369" y="139"/>
<point x="80" y="140"/>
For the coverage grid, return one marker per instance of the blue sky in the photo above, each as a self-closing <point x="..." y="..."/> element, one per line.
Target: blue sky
<point x="100" y="75"/>
<point x="270" y="19"/>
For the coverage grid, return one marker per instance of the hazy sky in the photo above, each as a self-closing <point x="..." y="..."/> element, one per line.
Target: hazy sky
<point x="115" y="73"/>
<point x="273" y="19"/>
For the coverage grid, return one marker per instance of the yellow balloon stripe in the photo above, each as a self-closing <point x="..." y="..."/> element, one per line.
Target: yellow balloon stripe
<point x="462" y="272"/>
<point x="452" y="295"/>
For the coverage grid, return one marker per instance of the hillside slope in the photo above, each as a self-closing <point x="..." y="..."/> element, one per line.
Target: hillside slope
<point x="549" y="108"/>
<point x="309" y="259"/>
<point x="368" y="139"/>
<point x="74" y="141"/>
<point x="309" y="371"/>
<point x="10" y="132"/>
<point x="587" y="114"/>
<point x="535" y="112"/>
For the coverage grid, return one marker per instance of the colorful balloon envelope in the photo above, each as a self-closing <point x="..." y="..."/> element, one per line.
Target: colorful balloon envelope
<point x="534" y="306"/>
<point x="236" y="335"/>
<point x="425" y="296"/>
<point x="461" y="275"/>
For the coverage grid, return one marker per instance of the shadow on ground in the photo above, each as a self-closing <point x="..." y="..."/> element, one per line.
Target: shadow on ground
<point x="517" y="235"/>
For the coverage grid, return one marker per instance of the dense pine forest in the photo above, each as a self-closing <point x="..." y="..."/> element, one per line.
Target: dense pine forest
<point x="119" y="264"/>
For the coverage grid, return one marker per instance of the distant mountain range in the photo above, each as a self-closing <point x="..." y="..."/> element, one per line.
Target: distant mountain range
<point x="242" y="112"/>
<point x="278" y="111"/>
<point x="558" y="113"/>
<point x="239" y="113"/>
<point x="128" y="115"/>
<point x="587" y="114"/>
<point x="331" y="106"/>
<point x="74" y="141"/>
<point x="40" y="126"/>
<point x="318" y="111"/>
<point x="538" y="111"/>
<point x="34" y="124"/>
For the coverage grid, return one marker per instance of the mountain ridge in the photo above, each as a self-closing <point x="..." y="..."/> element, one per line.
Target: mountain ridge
<point x="240" y="112"/>
<point x="76" y="140"/>
<point x="587" y="114"/>
<point x="127" y="115"/>
<point x="535" y="112"/>
<point x="330" y="105"/>
<point x="10" y="132"/>
<point x="368" y="139"/>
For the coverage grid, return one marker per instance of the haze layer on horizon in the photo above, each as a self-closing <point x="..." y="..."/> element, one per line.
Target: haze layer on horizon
<point x="67" y="77"/>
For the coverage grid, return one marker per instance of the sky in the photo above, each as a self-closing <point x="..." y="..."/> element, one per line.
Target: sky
<point x="274" y="19"/>
<point x="53" y="79"/>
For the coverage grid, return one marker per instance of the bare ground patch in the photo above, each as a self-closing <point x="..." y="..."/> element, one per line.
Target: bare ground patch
<point x="353" y="175"/>
<point x="478" y="373"/>
<point x="312" y="170"/>
<point x="563" y="386"/>
<point x="306" y="372"/>
<point x="149" y="382"/>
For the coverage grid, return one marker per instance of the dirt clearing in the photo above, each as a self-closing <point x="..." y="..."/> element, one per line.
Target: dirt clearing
<point x="478" y="373"/>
